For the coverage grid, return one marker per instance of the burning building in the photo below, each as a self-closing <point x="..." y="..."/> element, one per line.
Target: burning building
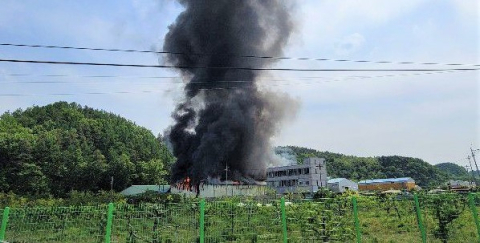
<point x="223" y="127"/>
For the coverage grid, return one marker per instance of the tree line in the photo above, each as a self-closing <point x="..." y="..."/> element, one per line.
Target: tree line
<point x="61" y="147"/>
<point x="64" y="147"/>
<point x="362" y="168"/>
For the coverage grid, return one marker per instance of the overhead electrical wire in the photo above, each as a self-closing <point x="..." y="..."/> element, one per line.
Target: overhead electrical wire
<point x="113" y="92"/>
<point x="178" y="79"/>
<point x="234" y="68"/>
<point x="213" y="88"/>
<point x="237" y="56"/>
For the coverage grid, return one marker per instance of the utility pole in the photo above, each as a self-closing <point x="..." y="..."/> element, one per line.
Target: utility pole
<point x="474" y="160"/>
<point x="226" y="179"/>
<point x="471" y="167"/>
<point x="111" y="183"/>
<point x="466" y="167"/>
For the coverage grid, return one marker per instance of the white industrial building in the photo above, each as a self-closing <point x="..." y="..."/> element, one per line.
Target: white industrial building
<point x="341" y="185"/>
<point x="308" y="177"/>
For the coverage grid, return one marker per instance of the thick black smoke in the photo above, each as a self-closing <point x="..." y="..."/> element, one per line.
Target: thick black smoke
<point x="225" y="119"/>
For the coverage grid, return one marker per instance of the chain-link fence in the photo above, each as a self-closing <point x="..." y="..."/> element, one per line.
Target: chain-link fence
<point x="396" y="218"/>
<point x="243" y="221"/>
<point x="448" y="218"/>
<point x="325" y="220"/>
<point x="156" y="223"/>
<point x="56" y="224"/>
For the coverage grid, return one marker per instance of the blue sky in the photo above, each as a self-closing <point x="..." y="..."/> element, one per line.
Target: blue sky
<point x="431" y="116"/>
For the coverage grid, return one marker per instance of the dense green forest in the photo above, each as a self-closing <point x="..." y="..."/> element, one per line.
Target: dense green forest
<point x="454" y="171"/>
<point x="360" y="168"/>
<point x="61" y="147"/>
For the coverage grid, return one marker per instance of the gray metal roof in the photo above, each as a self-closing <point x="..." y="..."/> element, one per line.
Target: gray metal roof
<point x="139" y="189"/>
<point x="336" y="180"/>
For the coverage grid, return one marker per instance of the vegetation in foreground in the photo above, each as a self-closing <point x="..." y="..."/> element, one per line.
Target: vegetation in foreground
<point x="328" y="218"/>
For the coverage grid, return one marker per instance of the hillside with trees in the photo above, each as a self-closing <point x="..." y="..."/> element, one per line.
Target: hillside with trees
<point x="454" y="171"/>
<point x="61" y="147"/>
<point x="64" y="147"/>
<point x="361" y="168"/>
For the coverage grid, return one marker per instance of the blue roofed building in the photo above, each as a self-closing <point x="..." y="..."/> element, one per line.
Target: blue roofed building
<point x="404" y="183"/>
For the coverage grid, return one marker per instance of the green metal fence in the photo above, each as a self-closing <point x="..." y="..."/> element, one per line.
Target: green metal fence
<point x="426" y="218"/>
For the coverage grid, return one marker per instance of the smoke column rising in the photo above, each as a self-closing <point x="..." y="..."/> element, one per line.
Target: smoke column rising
<point x="223" y="121"/>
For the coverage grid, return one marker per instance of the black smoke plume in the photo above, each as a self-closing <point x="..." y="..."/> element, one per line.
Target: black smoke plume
<point x="225" y="120"/>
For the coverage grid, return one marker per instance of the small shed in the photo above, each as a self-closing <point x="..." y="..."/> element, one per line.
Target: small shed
<point x="340" y="185"/>
<point x="139" y="189"/>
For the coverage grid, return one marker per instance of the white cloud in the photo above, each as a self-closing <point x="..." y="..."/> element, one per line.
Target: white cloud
<point x="349" y="44"/>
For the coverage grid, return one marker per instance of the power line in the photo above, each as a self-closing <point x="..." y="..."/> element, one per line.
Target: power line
<point x="159" y="91"/>
<point x="234" y="68"/>
<point x="178" y="79"/>
<point x="116" y="92"/>
<point x="236" y="56"/>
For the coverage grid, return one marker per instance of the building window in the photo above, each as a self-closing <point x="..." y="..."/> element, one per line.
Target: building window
<point x="306" y="171"/>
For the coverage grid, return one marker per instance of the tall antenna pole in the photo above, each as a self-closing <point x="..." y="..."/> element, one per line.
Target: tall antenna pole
<point x="471" y="167"/>
<point x="466" y="167"/>
<point x="474" y="160"/>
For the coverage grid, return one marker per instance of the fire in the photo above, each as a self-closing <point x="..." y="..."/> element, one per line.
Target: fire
<point x="184" y="185"/>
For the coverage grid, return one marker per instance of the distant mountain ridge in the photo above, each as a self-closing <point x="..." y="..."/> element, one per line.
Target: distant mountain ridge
<point x="361" y="168"/>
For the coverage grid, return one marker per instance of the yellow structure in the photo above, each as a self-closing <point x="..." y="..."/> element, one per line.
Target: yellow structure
<point x="405" y="183"/>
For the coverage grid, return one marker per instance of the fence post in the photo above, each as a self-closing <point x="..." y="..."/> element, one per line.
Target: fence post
<point x="6" y="211"/>
<point x="357" y="222"/>
<point x="108" y="232"/>
<point x="475" y="214"/>
<point x="419" y="219"/>
<point x="284" y="220"/>
<point x="202" y="221"/>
